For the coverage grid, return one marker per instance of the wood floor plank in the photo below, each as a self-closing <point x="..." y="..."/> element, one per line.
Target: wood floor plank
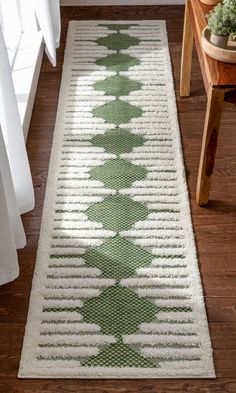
<point x="225" y="385"/>
<point x="214" y="226"/>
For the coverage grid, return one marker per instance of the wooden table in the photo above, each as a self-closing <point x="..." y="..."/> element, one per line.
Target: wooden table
<point x="220" y="84"/>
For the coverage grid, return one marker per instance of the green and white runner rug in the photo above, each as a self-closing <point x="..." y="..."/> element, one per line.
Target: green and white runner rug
<point x="116" y="291"/>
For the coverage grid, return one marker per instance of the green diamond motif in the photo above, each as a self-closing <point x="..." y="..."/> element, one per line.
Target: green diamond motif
<point x="118" y="141"/>
<point x="117" y="85"/>
<point x="118" y="355"/>
<point x="118" y="62"/>
<point x="118" y="258"/>
<point x="117" y="212"/>
<point x="118" y="311"/>
<point x="117" y="112"/>
<point x="118" y="173"/>
<point x="118" y="41"/>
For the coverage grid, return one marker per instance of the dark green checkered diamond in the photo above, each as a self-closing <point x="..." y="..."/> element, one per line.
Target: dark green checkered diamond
<point x="118" y="62"/>
<point x="117" y="212"/>
<point x="118" y="41"/>
<point x="118" y="173"/>
<point x="117" y="112"/>
<point x="118" y="258"/>
<point x="118" y="141"/>
<point x="117" y="86"/>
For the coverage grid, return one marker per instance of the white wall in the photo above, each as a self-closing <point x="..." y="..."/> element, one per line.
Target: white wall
<point x="122" y="2"/>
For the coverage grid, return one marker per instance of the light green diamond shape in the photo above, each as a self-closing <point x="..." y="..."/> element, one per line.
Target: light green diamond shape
<point x="118" y="355"/>
<point x="118" y="258"/>
<point x="118" y="173"/>
<point x="118" y="62"/>
<point x="118" y="311"/>
<point x="118" y="41"/>
<point x="118" y="141"/>
<point x="117" y="85"/>
<point x="117" y="112"/>
<point x="117" y="212"/>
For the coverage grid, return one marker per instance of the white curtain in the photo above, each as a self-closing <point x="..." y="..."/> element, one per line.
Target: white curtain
<point x="13" y="136"/>
<point x="16" y="189"/>
<point x="11" y="233"/>
<point x="48" y="16"/>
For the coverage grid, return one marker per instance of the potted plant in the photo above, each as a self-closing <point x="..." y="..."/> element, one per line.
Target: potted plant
<point x="230" y="7"/>
<point x="220" y="24"/>
<point x="230" y="4"/>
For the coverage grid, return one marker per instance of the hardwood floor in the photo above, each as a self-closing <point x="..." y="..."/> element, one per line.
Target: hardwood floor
<point x="215" y="226"/>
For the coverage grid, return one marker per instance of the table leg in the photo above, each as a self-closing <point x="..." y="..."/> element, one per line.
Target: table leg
<point x="186" y="62"/>
<point x="209" y="144"/>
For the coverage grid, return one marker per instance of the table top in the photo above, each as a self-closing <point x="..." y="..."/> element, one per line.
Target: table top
<point x="215" y="73"/>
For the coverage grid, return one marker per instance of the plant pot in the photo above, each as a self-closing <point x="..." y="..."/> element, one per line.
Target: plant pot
<point x="232" y="43"/>
<point x="219" y="40"/>
<point x="232" y="38"/>
<point x="211" y="2"/>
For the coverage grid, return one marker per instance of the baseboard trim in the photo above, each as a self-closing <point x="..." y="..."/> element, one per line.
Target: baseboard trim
<point x="120" y="2"/>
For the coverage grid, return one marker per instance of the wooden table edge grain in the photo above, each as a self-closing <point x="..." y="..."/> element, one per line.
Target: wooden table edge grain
<point x="220" y="85"/>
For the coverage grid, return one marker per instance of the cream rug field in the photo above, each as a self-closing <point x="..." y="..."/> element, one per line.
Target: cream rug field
<point x="116" y="291"/>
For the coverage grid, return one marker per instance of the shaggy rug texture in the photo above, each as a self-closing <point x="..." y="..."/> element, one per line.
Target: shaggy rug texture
<point x="116" y="291"/>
